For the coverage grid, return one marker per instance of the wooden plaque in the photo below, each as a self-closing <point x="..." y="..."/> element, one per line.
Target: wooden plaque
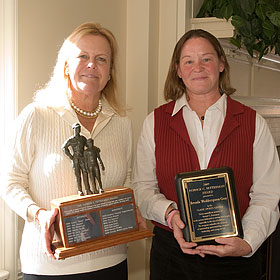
<point x="93" y="222"/>
<point x="208" y="205"/>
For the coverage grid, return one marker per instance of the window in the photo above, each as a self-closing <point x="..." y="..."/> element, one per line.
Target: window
<point x="8" y="58"/>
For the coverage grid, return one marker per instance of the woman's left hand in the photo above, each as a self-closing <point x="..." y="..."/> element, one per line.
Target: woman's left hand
<point x="46" y="220"/>
<point x="227" y="247"/>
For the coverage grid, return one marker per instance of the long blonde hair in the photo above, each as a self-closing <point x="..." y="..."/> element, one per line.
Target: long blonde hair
<point x="174" y="87"/>
<point x="56" y="90"/>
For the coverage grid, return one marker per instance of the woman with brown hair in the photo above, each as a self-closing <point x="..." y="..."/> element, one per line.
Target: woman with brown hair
<point x="202" y="127"/>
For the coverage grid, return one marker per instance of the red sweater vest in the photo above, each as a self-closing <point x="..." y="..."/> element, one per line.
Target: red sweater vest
<point x="175" y="153"/>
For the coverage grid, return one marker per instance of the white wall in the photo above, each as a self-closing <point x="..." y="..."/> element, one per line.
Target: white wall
<point x="257" y="79"/>
<point x="43" y="26"/>
<point x="8" y="101"/>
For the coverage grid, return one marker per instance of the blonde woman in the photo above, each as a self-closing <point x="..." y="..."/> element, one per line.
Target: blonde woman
<point x="82" y="90"/>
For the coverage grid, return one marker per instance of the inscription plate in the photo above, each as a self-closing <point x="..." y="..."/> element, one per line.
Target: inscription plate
<point x="208" y="205"/>
<point x="82" y="227"/>
<point x="118" y="219"/>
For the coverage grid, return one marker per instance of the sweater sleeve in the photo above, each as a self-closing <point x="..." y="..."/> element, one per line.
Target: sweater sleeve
<point x="15" y="182"/>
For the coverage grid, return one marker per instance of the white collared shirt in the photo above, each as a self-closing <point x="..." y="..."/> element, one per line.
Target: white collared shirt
<point x="262" y="215"/>
<point x="204" y="139"/>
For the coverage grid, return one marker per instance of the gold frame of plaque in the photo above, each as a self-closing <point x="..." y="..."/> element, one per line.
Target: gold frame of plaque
<point x="96" y="221"/>
<point x="208" y="205"/>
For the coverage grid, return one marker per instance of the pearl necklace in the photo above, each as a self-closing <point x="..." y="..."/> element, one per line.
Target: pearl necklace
<point x="86" y="114"/>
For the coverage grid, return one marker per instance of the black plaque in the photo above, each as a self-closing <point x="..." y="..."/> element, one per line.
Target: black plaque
<point x="208" y="205"/>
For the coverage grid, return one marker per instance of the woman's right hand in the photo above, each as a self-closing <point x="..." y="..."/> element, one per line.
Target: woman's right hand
<point x="46" y="221"/>
<point x="186" y="247"/>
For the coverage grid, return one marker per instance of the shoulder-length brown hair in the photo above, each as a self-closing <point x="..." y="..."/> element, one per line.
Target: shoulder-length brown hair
<point x="58" y="87"/>
<point x="174" y="87"/>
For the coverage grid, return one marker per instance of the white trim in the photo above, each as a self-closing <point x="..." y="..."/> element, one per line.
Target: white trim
<point x="8" y="105"/>
<point x="4" y="275"/>
<point x="181" y="18"/>
<point x="219" y="27"/>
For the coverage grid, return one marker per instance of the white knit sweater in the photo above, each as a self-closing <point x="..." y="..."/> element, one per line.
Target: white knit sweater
<point x="39" y="171"/>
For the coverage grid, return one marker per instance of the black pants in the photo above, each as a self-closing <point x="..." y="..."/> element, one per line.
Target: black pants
<point x="168" y="262"/>
<point x="117" y="272"/>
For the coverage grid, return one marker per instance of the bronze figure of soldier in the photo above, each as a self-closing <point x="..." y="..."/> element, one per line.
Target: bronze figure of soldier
<point x="78" y="143"/>
<point x="92" y="160"/>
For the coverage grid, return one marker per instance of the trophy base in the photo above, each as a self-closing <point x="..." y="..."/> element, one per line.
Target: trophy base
<point x="62" y="252"/>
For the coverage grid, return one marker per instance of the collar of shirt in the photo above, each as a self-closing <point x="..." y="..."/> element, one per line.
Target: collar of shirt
<point x="221" y="105"/>
<point x="204" y="138"/>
